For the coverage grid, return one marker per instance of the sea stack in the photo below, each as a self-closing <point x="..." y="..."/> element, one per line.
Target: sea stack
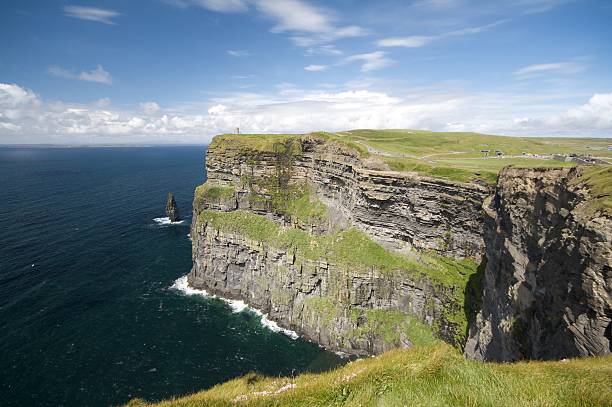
<point x="171" y="209"/>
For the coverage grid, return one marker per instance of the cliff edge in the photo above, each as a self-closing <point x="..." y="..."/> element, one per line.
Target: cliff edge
<point x="549" y="260"/>
<point x="334" y="245"/>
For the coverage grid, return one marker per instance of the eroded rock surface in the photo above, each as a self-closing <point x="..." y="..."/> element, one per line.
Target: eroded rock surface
<point x="172" y="211"/>
<point x="322" y="301"/>
<point x="402" y="211"/>
<point x="548" y="275"/>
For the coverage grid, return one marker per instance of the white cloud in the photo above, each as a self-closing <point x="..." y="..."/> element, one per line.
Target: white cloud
<point x="326" y="50"/>
<point x="104" y="102"/>
<point x="149" y="107"/>
<point x="224" y="6"/>
<point x="417" y="41"/>
<point x="315" y="68"/>
<point x="26" y="118"/>
<point x="294" y="15"/>
<point x="556" y="67"/>
<point x="371" y="61"/>
<point x="595" y="116"/>
<point x="309" y="25"/>
<point x="99" y="74"/>
<point x="99" y="15"/>
<point x="219" y="6"/>
<point x="537" y="6"/>
<point x="12" y="95"/>
<point x="238" y="53"/>
<point x="217" y="109"/>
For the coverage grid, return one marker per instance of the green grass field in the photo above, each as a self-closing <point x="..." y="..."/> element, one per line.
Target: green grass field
<point x="452" y="156"/>
<point x="436" y="375"/>
<point x="419" y="143"/>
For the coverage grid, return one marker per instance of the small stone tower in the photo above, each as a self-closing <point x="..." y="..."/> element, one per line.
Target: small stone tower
<point x="171" y="209"/>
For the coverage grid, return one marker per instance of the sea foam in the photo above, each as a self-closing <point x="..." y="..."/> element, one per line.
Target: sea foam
<point x="166" y="221"/>
<point x="236" y="305"/>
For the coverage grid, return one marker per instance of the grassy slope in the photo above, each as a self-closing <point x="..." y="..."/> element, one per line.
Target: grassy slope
<point x="599" y="181"/>
<point x="457" y="156"/>
<point x="351" y="248"/>
<point x="454" y="156"/>
<point x="419" y="143"/>
<point x="422" y="376"/>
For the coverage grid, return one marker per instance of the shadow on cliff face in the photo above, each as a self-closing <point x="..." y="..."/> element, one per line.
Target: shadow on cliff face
<point x="473" y="294"/>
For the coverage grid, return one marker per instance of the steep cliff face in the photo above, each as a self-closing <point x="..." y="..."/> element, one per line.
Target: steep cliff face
<point x="402" y="211"/>
<point x="548" y="275"/>
<point x="355" y="257"/>
<point x="359" y="311"/>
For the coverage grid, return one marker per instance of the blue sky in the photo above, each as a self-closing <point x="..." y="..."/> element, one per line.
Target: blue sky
<point x="181" y="71"/>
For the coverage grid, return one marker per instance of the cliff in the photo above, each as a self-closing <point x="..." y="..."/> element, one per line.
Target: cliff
<point x="333" y="245"/>
<point x="400" y="210"/>
<point x="548" y="273"/>
<point x="330" y="243"/>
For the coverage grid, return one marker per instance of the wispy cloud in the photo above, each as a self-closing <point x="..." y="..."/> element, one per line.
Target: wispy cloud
<point x="312" y="25"/>
<point x="99" y="74"/>
<point x="325" y="50"/>
<point x="371" y="61"/>
<point x="220" y="6"/>
<point x="238" y="53"/>
<point x="99" y="15"/>
<point x="417" y="41"/>
<point x="537" y="6"/>
<point x="307" y="24"/>
<point x="316" y="68"/>
<point x="564" y="68"/>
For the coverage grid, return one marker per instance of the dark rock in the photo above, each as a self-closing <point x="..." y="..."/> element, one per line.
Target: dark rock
<point x="548" y="275"/>
<point x="171" y="209"/>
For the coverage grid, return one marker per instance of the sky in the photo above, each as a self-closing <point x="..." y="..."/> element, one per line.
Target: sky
<point x="182" y="71"/>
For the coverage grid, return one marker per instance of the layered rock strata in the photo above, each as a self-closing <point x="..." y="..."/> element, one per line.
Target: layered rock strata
<point x="360" y="310"/>
<point x="548" y="275"/>
<point x="402" y="211"/>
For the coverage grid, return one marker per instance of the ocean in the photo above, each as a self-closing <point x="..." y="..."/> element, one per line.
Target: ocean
<point x="93" y="308"/>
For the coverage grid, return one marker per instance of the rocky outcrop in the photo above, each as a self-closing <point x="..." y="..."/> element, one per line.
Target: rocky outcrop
<point x="172" y="211"/>
<point x="548" y="274"/>
<point x="359" y="311"/>
<point x="402" y="211"/>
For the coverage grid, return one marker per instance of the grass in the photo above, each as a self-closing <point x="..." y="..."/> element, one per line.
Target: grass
<point x="447" y="155"/>
<point x="351" y="248"/>
<point x="419" y="143"/>
<point x="305" y="207"/>
<point x="261" y="143"/>
<point x="421" y="376"/>
<point x="389" y="324"/>
<point x="450" y="172"/>
<point x="599" y="182"/>
<point x="209" y="191"/>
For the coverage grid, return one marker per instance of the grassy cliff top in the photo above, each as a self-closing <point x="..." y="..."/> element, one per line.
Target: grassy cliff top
<point x="351" y="248"/>
<point x="421" y="376"/>
<point x="599" y="182"/>
<point x="447" y="155"/>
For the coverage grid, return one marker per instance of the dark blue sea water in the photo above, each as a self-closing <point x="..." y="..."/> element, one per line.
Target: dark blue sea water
<point x="87" y="317"/>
